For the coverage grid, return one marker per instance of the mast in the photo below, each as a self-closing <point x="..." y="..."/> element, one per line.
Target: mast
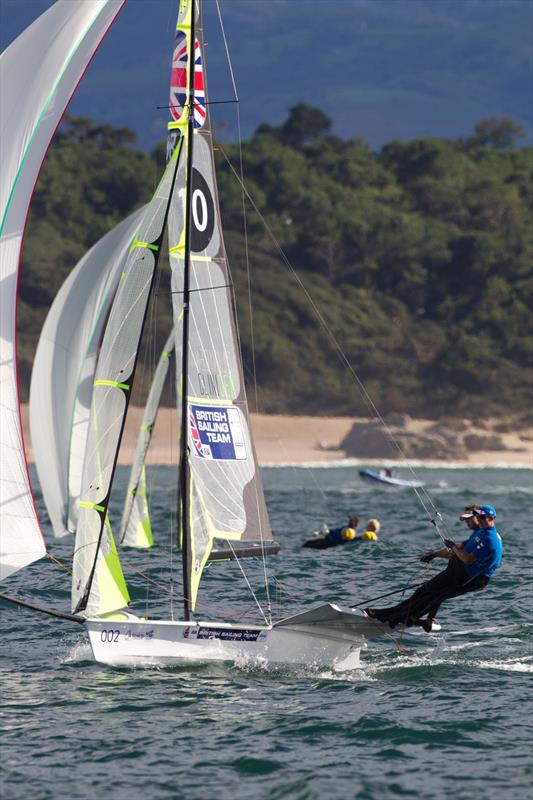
<point x="183" y="516"/>
<point x="220" y="492"/>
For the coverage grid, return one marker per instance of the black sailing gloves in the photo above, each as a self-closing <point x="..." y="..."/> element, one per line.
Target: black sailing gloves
<point x="449" y="543"/>
<point x="425" y="558"/>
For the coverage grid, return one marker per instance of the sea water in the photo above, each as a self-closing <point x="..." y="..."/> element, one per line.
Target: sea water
<point x="438" y="716"/>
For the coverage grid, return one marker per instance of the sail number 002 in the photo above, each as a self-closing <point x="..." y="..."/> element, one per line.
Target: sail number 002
<point x="109" y="636"/>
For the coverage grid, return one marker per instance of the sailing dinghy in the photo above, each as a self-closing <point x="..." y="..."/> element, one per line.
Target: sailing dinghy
<point x="220" y="489"/>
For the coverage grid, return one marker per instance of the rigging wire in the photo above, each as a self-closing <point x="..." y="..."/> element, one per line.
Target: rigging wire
<point x="423" y="496"/>
<point x="237" y="559"/>
<point x="57" y="563"/>
<point x="204" y="606"/>
<point x="249" y="284"/>
<point x="401" y="590"/>
<point x="249" y="289"/>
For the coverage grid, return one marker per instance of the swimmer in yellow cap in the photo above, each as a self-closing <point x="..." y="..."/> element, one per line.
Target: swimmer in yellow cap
<point x="371" y="532"/>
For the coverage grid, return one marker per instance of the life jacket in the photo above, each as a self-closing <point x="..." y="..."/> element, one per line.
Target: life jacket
<point x="341" y="535"/>
<point x="369" y="536"/>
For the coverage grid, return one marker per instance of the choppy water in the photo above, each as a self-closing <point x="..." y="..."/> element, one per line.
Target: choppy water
<point x="446" y="715"/>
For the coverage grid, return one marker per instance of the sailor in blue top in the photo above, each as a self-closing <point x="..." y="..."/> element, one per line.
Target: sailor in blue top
<point x="485" y="545"/>
<point x="470" y="568"/>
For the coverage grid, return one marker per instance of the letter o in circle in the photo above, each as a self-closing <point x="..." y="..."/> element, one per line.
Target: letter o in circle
<point x="202" y="213"/>
<point x="199" y="201"/>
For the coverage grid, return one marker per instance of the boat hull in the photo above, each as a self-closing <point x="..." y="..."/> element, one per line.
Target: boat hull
<point x="373" y="475"/>
<point x="297" y="641"/>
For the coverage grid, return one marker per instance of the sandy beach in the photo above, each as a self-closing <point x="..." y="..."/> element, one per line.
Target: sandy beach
<point x="312" y="440"/>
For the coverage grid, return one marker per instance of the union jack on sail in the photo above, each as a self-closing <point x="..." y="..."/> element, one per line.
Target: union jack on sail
<point x="178" y="81"/>
<point x="203" y="450"/>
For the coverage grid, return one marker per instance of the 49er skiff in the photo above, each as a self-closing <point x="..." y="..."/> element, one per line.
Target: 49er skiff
<point x="220" y="489"/>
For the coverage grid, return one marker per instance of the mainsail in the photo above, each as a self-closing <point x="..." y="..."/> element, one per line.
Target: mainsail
<point x="39" y="72"/>
<point x="98" y="584"/>
<point x="224" y="496"/>
<point x="63" y="371"/>
<point x="135" y="529"/>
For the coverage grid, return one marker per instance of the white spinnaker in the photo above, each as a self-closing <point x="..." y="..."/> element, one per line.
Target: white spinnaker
<point x="226" y="494"/>
<point x="63" y="371"/>
<point x="39" y="72"/>
<point x="135" y="526"/>
<point x="98" y="584"/>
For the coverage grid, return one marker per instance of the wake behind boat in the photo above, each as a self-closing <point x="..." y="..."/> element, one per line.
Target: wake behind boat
<point x="385" y="476"/>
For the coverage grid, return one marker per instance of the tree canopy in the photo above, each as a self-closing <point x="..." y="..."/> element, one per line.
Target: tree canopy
<point x="418" y="258"/>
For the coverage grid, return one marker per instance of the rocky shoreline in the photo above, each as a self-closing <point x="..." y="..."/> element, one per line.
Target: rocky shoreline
<point x="398" y="436"/>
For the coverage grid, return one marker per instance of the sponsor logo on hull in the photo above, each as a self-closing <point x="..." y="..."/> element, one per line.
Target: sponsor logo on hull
<point x="224" y="634"/>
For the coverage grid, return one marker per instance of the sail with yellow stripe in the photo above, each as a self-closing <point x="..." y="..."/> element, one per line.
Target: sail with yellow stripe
<point x="224" y="494"/>
<point x="98" y="585"/>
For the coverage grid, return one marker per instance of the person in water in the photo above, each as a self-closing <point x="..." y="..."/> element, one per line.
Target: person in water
<point x="372" y="529"/>
<point x="470" y="567"/>
<point x="345" y="534"/>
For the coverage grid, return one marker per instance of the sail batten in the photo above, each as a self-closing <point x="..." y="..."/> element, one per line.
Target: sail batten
<point x="39" y="72"/>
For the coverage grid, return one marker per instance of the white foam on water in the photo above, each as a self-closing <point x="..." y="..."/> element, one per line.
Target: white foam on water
<point x="507" y="666"/>
<point x="79" y="652"/>
<point x="466" y="646"/>
<point x="363" y="673"/>
<point x="494" y="629"/>
<point x="415" y="464"/>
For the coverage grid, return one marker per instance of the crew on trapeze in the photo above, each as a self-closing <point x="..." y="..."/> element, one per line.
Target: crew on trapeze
<point x="471" y="565"/>
<point x="333" y="537"/>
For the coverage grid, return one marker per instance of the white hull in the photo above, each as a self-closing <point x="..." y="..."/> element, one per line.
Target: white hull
<point x="372" y="474"/>
<point x="333" y="642"/>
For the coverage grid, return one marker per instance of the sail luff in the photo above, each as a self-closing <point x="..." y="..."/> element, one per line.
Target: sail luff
<point x="134" y="532"/>
<point x="39" y="72"/>
<point x="183" y="499"/>
<point x="92" y="576"/>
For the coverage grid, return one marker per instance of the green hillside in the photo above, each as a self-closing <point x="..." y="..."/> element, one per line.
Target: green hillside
<point x="418" y="258"/>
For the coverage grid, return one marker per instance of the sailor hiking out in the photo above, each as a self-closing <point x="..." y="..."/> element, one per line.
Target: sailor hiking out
<point x="470" y="567"/>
